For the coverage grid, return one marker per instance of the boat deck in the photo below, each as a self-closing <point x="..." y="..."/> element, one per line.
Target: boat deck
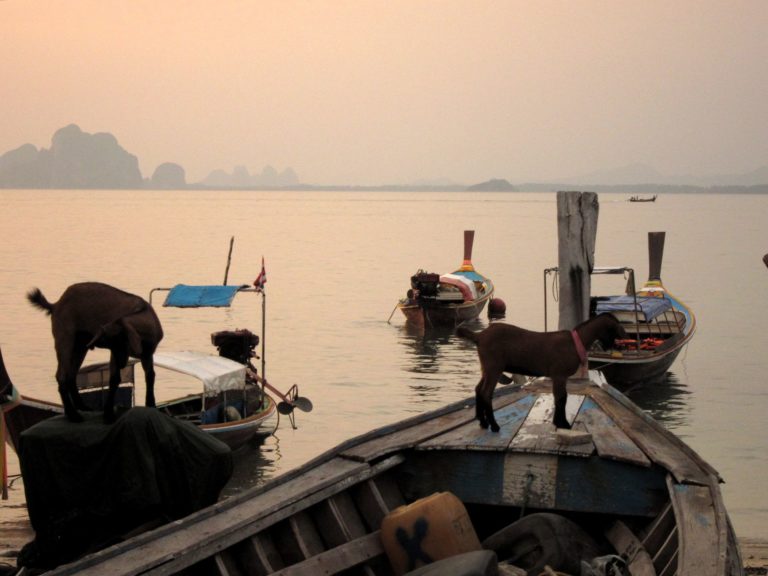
<point x="657" y="501"/>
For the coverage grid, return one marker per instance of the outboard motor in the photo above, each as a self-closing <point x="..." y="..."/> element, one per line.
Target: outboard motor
<point x="237" y="345"/>
<point x="425" y="284"/>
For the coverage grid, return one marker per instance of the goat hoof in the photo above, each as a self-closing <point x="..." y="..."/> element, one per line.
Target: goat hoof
<point x="562" y="424"/>
<point x="495" y="428"/>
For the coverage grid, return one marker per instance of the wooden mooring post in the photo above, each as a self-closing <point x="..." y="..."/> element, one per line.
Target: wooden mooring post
<point x="576" y="234"/>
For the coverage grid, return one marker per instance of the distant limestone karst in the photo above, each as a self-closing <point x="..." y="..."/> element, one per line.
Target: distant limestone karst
<point x="75" y="159"/>
<point x="241" y="178"/>
<point x="78" y="160"/>
<point x="168" y="176"/>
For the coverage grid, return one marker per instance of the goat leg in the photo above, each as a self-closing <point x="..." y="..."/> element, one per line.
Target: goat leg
<point x="480" y="407"/>
<point x="73" y="415"/>
<point x="561" y="398"/>
<point x="148" y="365"/>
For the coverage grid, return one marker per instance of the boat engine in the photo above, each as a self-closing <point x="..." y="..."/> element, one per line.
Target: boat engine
<point x="237" y="345"/>
<point x="425" y="283"/>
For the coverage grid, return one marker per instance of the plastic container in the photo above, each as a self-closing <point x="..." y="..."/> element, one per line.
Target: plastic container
<point x="430" y="529"/>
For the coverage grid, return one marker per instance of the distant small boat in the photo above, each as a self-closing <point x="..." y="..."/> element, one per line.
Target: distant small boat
<point x="447" y="299"/>
<point x="643" y="198"/>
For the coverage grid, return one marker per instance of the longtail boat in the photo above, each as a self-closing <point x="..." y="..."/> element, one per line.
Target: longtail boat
<point x="658" y="324"/>
<point x="448" y="299"/>
<point x="224" y="388"/>
<point x="619" y="480"/>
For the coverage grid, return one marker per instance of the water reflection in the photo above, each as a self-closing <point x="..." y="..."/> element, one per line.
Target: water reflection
<point x="425" y="348"/>
<point x="254" y="464"/>
<point x="665" y="401"/>
<point x="440" y="365"/>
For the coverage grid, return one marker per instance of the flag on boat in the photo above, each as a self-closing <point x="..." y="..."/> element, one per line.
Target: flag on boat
<point x="261" y="279"/>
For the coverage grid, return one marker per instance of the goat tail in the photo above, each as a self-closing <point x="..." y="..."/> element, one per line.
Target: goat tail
<point x="465" y="332"/>
<point x="37" y="299"/>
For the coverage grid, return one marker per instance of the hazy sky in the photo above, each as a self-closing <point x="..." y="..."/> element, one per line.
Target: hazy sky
<point x="391" y="91"/>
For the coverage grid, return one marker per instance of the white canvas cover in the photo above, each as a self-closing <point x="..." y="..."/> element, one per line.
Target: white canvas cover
<point x="464" y="284"/>
<point x="216" y="372"/>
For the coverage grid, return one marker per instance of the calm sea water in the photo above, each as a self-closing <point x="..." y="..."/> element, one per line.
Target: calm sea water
<point x="337" y="263"/>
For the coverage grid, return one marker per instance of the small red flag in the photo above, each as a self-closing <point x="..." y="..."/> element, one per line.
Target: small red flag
<point x="261" y="279"/>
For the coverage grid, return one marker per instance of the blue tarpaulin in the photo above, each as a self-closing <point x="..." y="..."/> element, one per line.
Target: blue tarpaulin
<point x="648" y="307"/>
<point x="184" y="296"/>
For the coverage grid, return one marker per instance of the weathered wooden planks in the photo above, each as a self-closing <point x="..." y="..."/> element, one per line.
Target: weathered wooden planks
<point x="659" y="445"/>
<point x="700" y="546"/>
<point x="171" y="550"/>
<point x="630" y="547"/>
<point x="539" y="435"/>
<point x="471" y="437"/>
<point x="338" y="559"/>
<point x="422" y="431"/>
<point x="610" y="441"/>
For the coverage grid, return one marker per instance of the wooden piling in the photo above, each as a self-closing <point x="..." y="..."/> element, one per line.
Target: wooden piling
<point x="576" y="234"/>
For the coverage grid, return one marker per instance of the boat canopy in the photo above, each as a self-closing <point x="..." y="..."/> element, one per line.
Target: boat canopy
<point x="216" y="372"/>
<point x="186" y="296"/>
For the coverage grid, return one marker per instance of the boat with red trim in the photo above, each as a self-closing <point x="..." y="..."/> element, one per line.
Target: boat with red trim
<point x="447" y="299"/>
<point x="658" y="324"/>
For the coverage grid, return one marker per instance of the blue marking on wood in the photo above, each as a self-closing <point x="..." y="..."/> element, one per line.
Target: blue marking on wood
<point x="474" y="476"/>
<point x="596" y="484"/>
<point x="509" y="418"/>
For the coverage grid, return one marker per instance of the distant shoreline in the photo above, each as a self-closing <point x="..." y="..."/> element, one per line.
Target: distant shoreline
<point x="628" y="189"/>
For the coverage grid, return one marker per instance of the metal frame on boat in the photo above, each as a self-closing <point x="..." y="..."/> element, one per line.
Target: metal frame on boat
<point x="628" y="483"/>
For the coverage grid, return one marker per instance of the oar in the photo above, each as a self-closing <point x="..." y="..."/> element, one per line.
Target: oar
<point x="393" y="312"/>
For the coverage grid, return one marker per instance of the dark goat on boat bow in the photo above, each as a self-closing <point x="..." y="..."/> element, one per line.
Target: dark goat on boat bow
<point x="94" y="315"/>
<point x="507" y="348"/>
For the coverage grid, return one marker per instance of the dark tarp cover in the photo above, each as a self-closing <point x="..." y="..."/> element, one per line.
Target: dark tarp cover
<point x="88" y="483"/>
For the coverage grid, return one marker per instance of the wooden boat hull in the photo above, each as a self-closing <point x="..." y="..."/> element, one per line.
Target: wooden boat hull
<point x="632" y="483"/>
<point x="436" y="300"/>
<point x="437" y="314"/>
<point x="629" y="367"/>
<point x="30" y="411"/>
<point x="234" y="434"/>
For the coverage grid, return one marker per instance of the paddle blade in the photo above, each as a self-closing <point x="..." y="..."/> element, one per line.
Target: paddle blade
<point x="303" y="404"/>
<point x="285" y="408"/>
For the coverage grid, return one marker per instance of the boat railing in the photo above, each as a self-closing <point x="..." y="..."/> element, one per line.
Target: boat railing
<point x="628" y="273"/>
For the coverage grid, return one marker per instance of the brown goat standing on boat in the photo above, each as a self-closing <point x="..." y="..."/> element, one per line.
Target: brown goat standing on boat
<point x="91" y="314"/>
<point x="508" y="348"/>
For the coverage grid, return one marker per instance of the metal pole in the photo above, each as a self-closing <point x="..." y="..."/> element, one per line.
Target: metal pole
<point x="229" y="259"/>
<point x="263" y="333"/>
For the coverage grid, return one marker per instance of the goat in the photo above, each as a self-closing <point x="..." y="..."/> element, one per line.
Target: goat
<point x="92" y="314"/>
<point x="507" y="348"/>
